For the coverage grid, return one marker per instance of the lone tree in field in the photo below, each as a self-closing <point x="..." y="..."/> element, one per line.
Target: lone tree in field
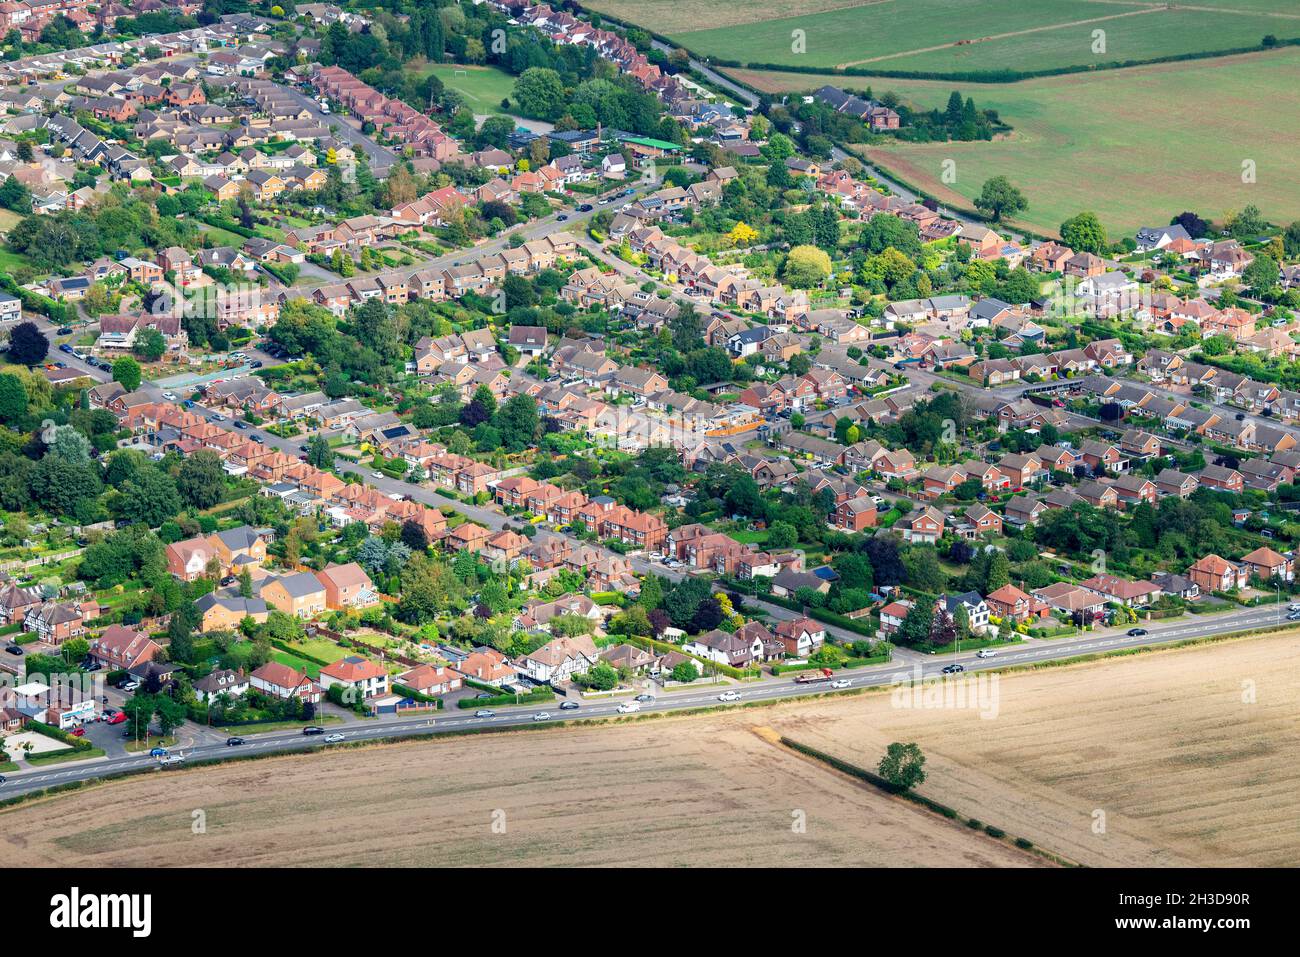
<point x="903" y="766"/>
<point x="1000" y="200"/>
<point x="27" y="344"/>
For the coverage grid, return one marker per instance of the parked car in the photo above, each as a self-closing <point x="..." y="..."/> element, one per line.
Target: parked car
<point x="376" y="475"/>
<point x="169" y="396"/>
<point x="116" y="718"/>
<point x="66" y="348"/>
<point x="239" y="424"/>
<point x="78" y="732"/>
<point x="65" y="331"/>
<point x="14" y="649"/>
<point x="130" y="686"/>
<point x="313" y="729"/>
<point x="234" y="742"/>
<point x="561" y="218"/>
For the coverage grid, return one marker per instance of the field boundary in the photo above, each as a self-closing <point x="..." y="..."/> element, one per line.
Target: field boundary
<point x="865" y="777"/>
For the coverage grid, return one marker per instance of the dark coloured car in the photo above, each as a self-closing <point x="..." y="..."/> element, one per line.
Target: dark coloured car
<point x="240" y="425"/>
<point x="14" y="649"/>
<point x="585" y="208"/>
<point x="953" y="669"/>
<point x="65" y="330"/>
<point x="1136" y="632"/>
<point x="234" y="742"/>
<point x="313" y="729"/>
<point x="570" y="706"/>
<point x="645" y="697"/>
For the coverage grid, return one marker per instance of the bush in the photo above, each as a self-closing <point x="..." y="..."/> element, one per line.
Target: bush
<point x="992" y="831"/>
<point x="1024" y="844"/>
<point x="974" y="824"/>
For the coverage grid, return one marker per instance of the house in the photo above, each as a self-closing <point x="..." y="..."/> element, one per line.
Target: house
<point x="226" y="612"/>
<point x="363" y="676"/>
<point x="346" y="586"/>
<point x="801" y="636"/>
<point x="559" y="659"/>
<point x="737" y="650"/>
<point x="1013" y="605"/>
<point x="281" y="681"/>
<point x="1122" y="590"/>
<point x="123" y="648"/>
<point x="431" y="680"/>
<point x="856" y="514"/>
<point x="301" y="594"/>
<point x="55" y="622"/>
<point x="222" y="681"/>
<point x="924" y="527"/>
<point x="1214" y="573"/>
<point x="976" y="608"/>
<point x="1267" y="565"/>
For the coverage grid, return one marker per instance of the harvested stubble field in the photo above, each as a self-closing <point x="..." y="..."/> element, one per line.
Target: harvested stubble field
<point x="1184" y="769"/>
<point x="704" y="791"/>
<point x="1186" y="772"/>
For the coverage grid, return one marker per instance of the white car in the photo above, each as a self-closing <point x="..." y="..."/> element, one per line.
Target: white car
<point x="629" y="707"/>
<point x="377" y="475"/>
<point x="841" y="683"/>
<point x="729" y="696"/>
<point x="542" y="716"/>
<point x="986" y="653"/>
<point x="169" y="396"/>
<point x="333" y="738"/>
<point x="238" y="355"/>
<point x="167" y="759"/>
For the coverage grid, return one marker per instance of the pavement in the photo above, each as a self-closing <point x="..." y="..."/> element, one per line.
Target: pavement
<point x="768" y="690"/>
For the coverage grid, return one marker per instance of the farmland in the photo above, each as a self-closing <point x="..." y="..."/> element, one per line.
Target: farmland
<point x="1186" y="768"/>
<point x="1129" y="145"/>
<point x="952" y="36"/>
<point x="670" y="793"/>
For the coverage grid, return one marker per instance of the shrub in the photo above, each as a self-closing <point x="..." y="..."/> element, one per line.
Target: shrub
<point x="992" y="831"/>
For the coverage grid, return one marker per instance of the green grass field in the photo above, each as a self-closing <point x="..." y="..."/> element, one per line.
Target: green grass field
<point x="1136" y="146"/>
<point x="958" y="35"/>
<point x="483" y="87"/>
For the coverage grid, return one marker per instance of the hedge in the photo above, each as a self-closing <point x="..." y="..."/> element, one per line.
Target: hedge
<point x="415" y="695"/>
<point x="665" y="647"/>
<point x="537" y="694"/>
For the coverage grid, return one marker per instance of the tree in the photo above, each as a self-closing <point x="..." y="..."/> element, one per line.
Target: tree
<point x="999" y="199"/>
<point x="539" y="93"/>
<point x="150" y="345"/>
<point x="319" y="453"/>
<point x="915" y="629"/>
<point x="127" y="372"/>
<point x="1084" y="233"/>
<point x="903" y="766"/>
<point x="806" y="267"/>
<point x="27" y="344"/>
<point x="201" y="479"/>
<point x="684" y="672"/>
<point x="13" y="398"/>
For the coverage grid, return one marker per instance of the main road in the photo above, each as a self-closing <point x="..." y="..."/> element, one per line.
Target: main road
<point x="764" y="691"/>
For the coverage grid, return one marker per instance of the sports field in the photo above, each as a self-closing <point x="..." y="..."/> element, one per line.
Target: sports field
<point x="953" y="36"/>
<point x="1136" y="146"/>
<point x="482" y="86"/>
